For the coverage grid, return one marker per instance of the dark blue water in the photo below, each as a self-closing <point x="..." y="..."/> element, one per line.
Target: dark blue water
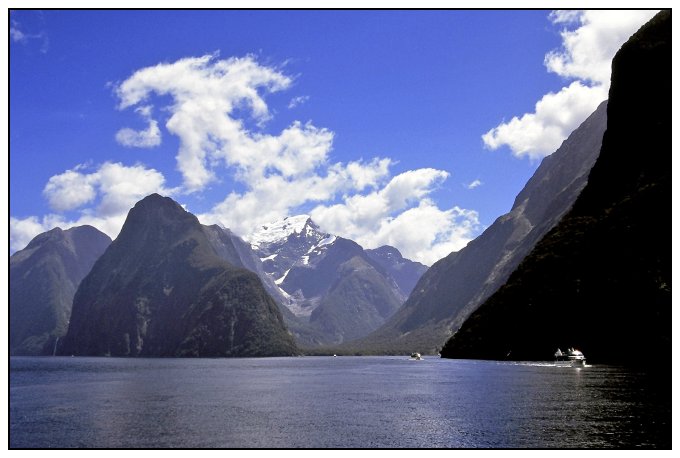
<point x="324" y="402"/>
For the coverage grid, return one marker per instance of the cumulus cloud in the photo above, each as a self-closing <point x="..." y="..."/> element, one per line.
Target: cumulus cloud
<point x="23" y="230"/>
<point x="147" y="138"/>
<point x="70" y="190"/>
<point x="590" y="39"/>
<point x="277" y="196"/>
<point x="426" y="233"/>
<point x="588" y="50"/>
<point x="218" y="111"/>
<point x="206" y="92"/>
<point x="117" y="186"/>
<point x="535" y="135"/>
<point x="401" y="214"/>
<point x="282" y="172"/>
<point x="100" y="198"/>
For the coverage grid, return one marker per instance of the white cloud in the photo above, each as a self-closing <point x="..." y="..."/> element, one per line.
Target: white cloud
<point x="16" y="34"/>
<point x="588" y="48"/>
<point x="474" y="184"/>
<point x="297" y="101"/>
<point x="537" y="134"/>
<point x="19" y="36"/>
<point x="206" y="92"/>
<point x="402" y="215"/>
<point x="217" y="111"/>
<point x="70" y="190"/>
<point x="277" y="196"/>
<point x="102" y="198"/>
<point x="118" y="187"/>
<point x="23" y="230"/>
<point x="291" y="169"/>
<point x="426" y="233"/>
<point x="147" y="138"/>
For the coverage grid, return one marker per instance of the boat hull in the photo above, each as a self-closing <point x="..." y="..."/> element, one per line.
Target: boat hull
<point x="571" y="362"/>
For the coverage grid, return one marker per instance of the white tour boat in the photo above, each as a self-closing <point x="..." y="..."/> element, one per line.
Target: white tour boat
<point x="571" y="357"/>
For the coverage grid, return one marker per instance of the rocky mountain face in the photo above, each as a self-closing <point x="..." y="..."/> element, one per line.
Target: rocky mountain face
<point x="335" y="288"/>
<point x="285" y="244"/>
<point x="233" y="249"/>
<point x="456" y="285"/>
<point x="43" y="278"/>
<point x="161" y="289"/>
<point x="237" y="252"/>
<point x="282" y="244"/>
<point x="601" y="279"/>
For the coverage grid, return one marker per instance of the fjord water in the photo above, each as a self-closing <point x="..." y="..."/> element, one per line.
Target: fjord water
<point x="326" y="402"/>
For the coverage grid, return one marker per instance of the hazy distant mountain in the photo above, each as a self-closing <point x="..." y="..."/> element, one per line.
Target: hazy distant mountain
<point x="404" y="271"/>
<point x="160" y="289"/>
<point x="358" y="300"/>
<point x="456" y="285"/>
<point x="601" y="279"/>
<point x="335" y="286"/>
<point x="43" y="277"/>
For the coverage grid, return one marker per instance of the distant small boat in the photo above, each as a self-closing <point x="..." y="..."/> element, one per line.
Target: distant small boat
<point x="571" y="357"/>
<point x="416" y="356"/>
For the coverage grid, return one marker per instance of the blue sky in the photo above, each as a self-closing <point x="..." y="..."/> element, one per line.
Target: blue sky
<point x="412" y="128"/>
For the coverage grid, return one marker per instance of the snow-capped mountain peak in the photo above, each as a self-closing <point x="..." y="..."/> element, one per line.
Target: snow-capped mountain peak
<point x="278" y="231"/>
<point x="294" y="240"/>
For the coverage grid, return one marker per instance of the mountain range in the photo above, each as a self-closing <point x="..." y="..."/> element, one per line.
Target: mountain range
<point x="456" y="285"/>
<point x="337" y="290"/>
<point x="327" y="289"/>
<point x="162" y="289"/>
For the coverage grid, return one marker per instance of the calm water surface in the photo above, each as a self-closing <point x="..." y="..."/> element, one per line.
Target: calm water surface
<point x="324" y="402"/>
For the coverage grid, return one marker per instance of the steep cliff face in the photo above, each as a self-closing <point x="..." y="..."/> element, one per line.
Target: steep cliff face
<point x="601" y="279"/>
<point x="456" y="285"/>
<point x="160" y="289"/>
<point x="43" y="277"/>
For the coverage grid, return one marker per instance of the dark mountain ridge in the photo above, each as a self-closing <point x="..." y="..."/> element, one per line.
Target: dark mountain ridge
<point x="601" y="279"/>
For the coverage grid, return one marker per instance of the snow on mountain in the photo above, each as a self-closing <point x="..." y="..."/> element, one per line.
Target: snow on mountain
<point x="279" y="231"/>
<point x="294" y="240"/>
<point x="327" y="241"/>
